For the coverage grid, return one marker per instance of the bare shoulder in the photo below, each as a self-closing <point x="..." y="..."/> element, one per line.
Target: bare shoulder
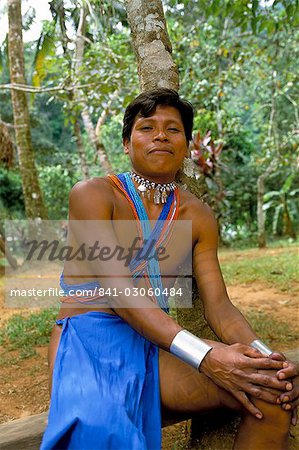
<point x="93" y="185"/>
<point x="91" y="199"/>
<point x="194" y="208"/>
<point x="204" y="223"/>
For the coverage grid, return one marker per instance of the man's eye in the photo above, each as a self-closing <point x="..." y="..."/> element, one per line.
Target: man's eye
<point x="146" y="128"/>
<point x="173" y="129"/>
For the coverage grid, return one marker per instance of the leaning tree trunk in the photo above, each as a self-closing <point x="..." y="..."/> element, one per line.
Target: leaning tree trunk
<point x="260" y="203"/>
<point x="151" y="43"/>
<point x="156" y="68"/>
<point x="80" y="148"/>
<point x="79" y="96"/>
<point x="34" y="204"/>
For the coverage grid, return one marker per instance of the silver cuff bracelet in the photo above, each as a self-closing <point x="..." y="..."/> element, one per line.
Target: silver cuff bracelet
<point x="189" y="348"/>
<point x="259" y="345"/>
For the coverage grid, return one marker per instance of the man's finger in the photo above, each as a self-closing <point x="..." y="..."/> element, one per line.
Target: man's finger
<point x="251" y="352"/>
<point x="294" y="417"/>
<point x="263" y="394"/>
<point x="243" y="399"/>
<point x="289" y="396"/>
<point x="277" y="356"/>
<point x="288" y="406"/>
<point x="289" y="370"/>
<point x="264" y="363"/>
<point x="269" y="381"/>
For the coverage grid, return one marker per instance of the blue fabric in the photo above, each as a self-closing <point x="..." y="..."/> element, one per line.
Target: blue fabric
<point x="152" y="267"/>
<point x="105" y="391"/>
<point x="90" y="285"/>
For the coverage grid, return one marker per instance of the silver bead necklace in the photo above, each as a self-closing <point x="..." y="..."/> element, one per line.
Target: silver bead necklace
<point x="145" y="187"/>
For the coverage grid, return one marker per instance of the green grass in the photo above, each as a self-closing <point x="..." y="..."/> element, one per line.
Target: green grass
<point x="280" y="270"/>
<point x="25" y="332"/>
<point x="270" y="330"/>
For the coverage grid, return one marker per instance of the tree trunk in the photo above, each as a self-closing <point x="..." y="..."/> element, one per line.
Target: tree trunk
<point x="60" y="11"/>
<point x="261" y="217"/>
<point x="261" y="212"/>
<point x="80" y="147"/>
<point x="79" y="96"/>
<point x="156" y="68"/>
<point x="4" y="248"/>
<point x="288" y="228"/>
<point x="6" y="147"/>
<point x="151" y="43"/>
<point x="34" y="204"/>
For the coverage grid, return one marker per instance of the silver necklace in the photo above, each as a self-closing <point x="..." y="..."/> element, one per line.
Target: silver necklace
<point x="145" y="187"/>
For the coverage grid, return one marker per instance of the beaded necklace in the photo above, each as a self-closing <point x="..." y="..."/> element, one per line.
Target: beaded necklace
<point x="161" y="190"/>
<point x="146" y="264"/>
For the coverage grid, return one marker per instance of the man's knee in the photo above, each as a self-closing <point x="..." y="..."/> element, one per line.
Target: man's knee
<point x="274" y="417"/>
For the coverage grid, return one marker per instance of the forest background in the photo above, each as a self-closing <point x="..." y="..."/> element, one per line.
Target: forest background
<point x="238" y="65"/>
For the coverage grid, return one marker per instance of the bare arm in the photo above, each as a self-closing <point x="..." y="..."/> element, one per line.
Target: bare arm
<point x="224" y="318"/>
<point x="94" y="202"/>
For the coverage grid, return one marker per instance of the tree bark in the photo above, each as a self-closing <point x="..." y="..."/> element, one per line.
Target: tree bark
<point x="4" y="248"/>
<point x="34" y="204"/>
<point x="151" y="43"/>
<point x="261" y="217"/>
<point x="80" y="147"/>
<point x="79" y="96"/>
<point x="261" y="212"/>
<point x="156" y="68"/>
<point x="6" y="147"/>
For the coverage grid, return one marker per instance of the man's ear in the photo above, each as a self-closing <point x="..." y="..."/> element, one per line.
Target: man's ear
<point x="126" y="145"/>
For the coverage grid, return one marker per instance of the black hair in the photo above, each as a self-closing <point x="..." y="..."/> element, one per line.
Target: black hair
<point x="146" y="103"/>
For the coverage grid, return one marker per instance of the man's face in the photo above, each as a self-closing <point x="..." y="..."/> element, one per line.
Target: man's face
<point x="158" y="143"/>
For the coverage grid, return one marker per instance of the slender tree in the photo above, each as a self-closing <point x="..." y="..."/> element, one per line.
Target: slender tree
<point x="34" y="204"/>
<point x="151" y="43"/>
<point x="149" y="33"/>
<point x="88" y="124"/>
<point x="156" y="68"/>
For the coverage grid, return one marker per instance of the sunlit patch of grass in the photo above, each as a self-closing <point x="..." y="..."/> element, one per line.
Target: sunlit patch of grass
<point x="280" y="270"/>
<point x="25" y="332"/>
<point x="272" y="331"/>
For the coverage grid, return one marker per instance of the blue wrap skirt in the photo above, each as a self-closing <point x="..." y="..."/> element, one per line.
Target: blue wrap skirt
<point x="105" y="391"/>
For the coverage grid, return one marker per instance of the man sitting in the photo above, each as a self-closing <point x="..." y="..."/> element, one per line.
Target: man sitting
<point x="118" y="358"/>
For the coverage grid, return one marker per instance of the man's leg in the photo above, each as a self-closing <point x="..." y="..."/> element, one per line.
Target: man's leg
<point x="185" y="392"/>
<point x="272" y="432"/>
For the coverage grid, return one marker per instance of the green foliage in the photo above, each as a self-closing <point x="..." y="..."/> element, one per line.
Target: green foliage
<point x="56" y="183"/>
<point x="111" y="135"/>
<point x="11" y="195"/>
<point x="238" y="64"/>
<point x="284" y="204"/>
<point x="25" y="332"/>
<point x="45" y="47"/>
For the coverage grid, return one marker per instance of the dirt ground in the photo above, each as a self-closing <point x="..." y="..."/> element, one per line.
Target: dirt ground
<point x="23" y="385"/>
